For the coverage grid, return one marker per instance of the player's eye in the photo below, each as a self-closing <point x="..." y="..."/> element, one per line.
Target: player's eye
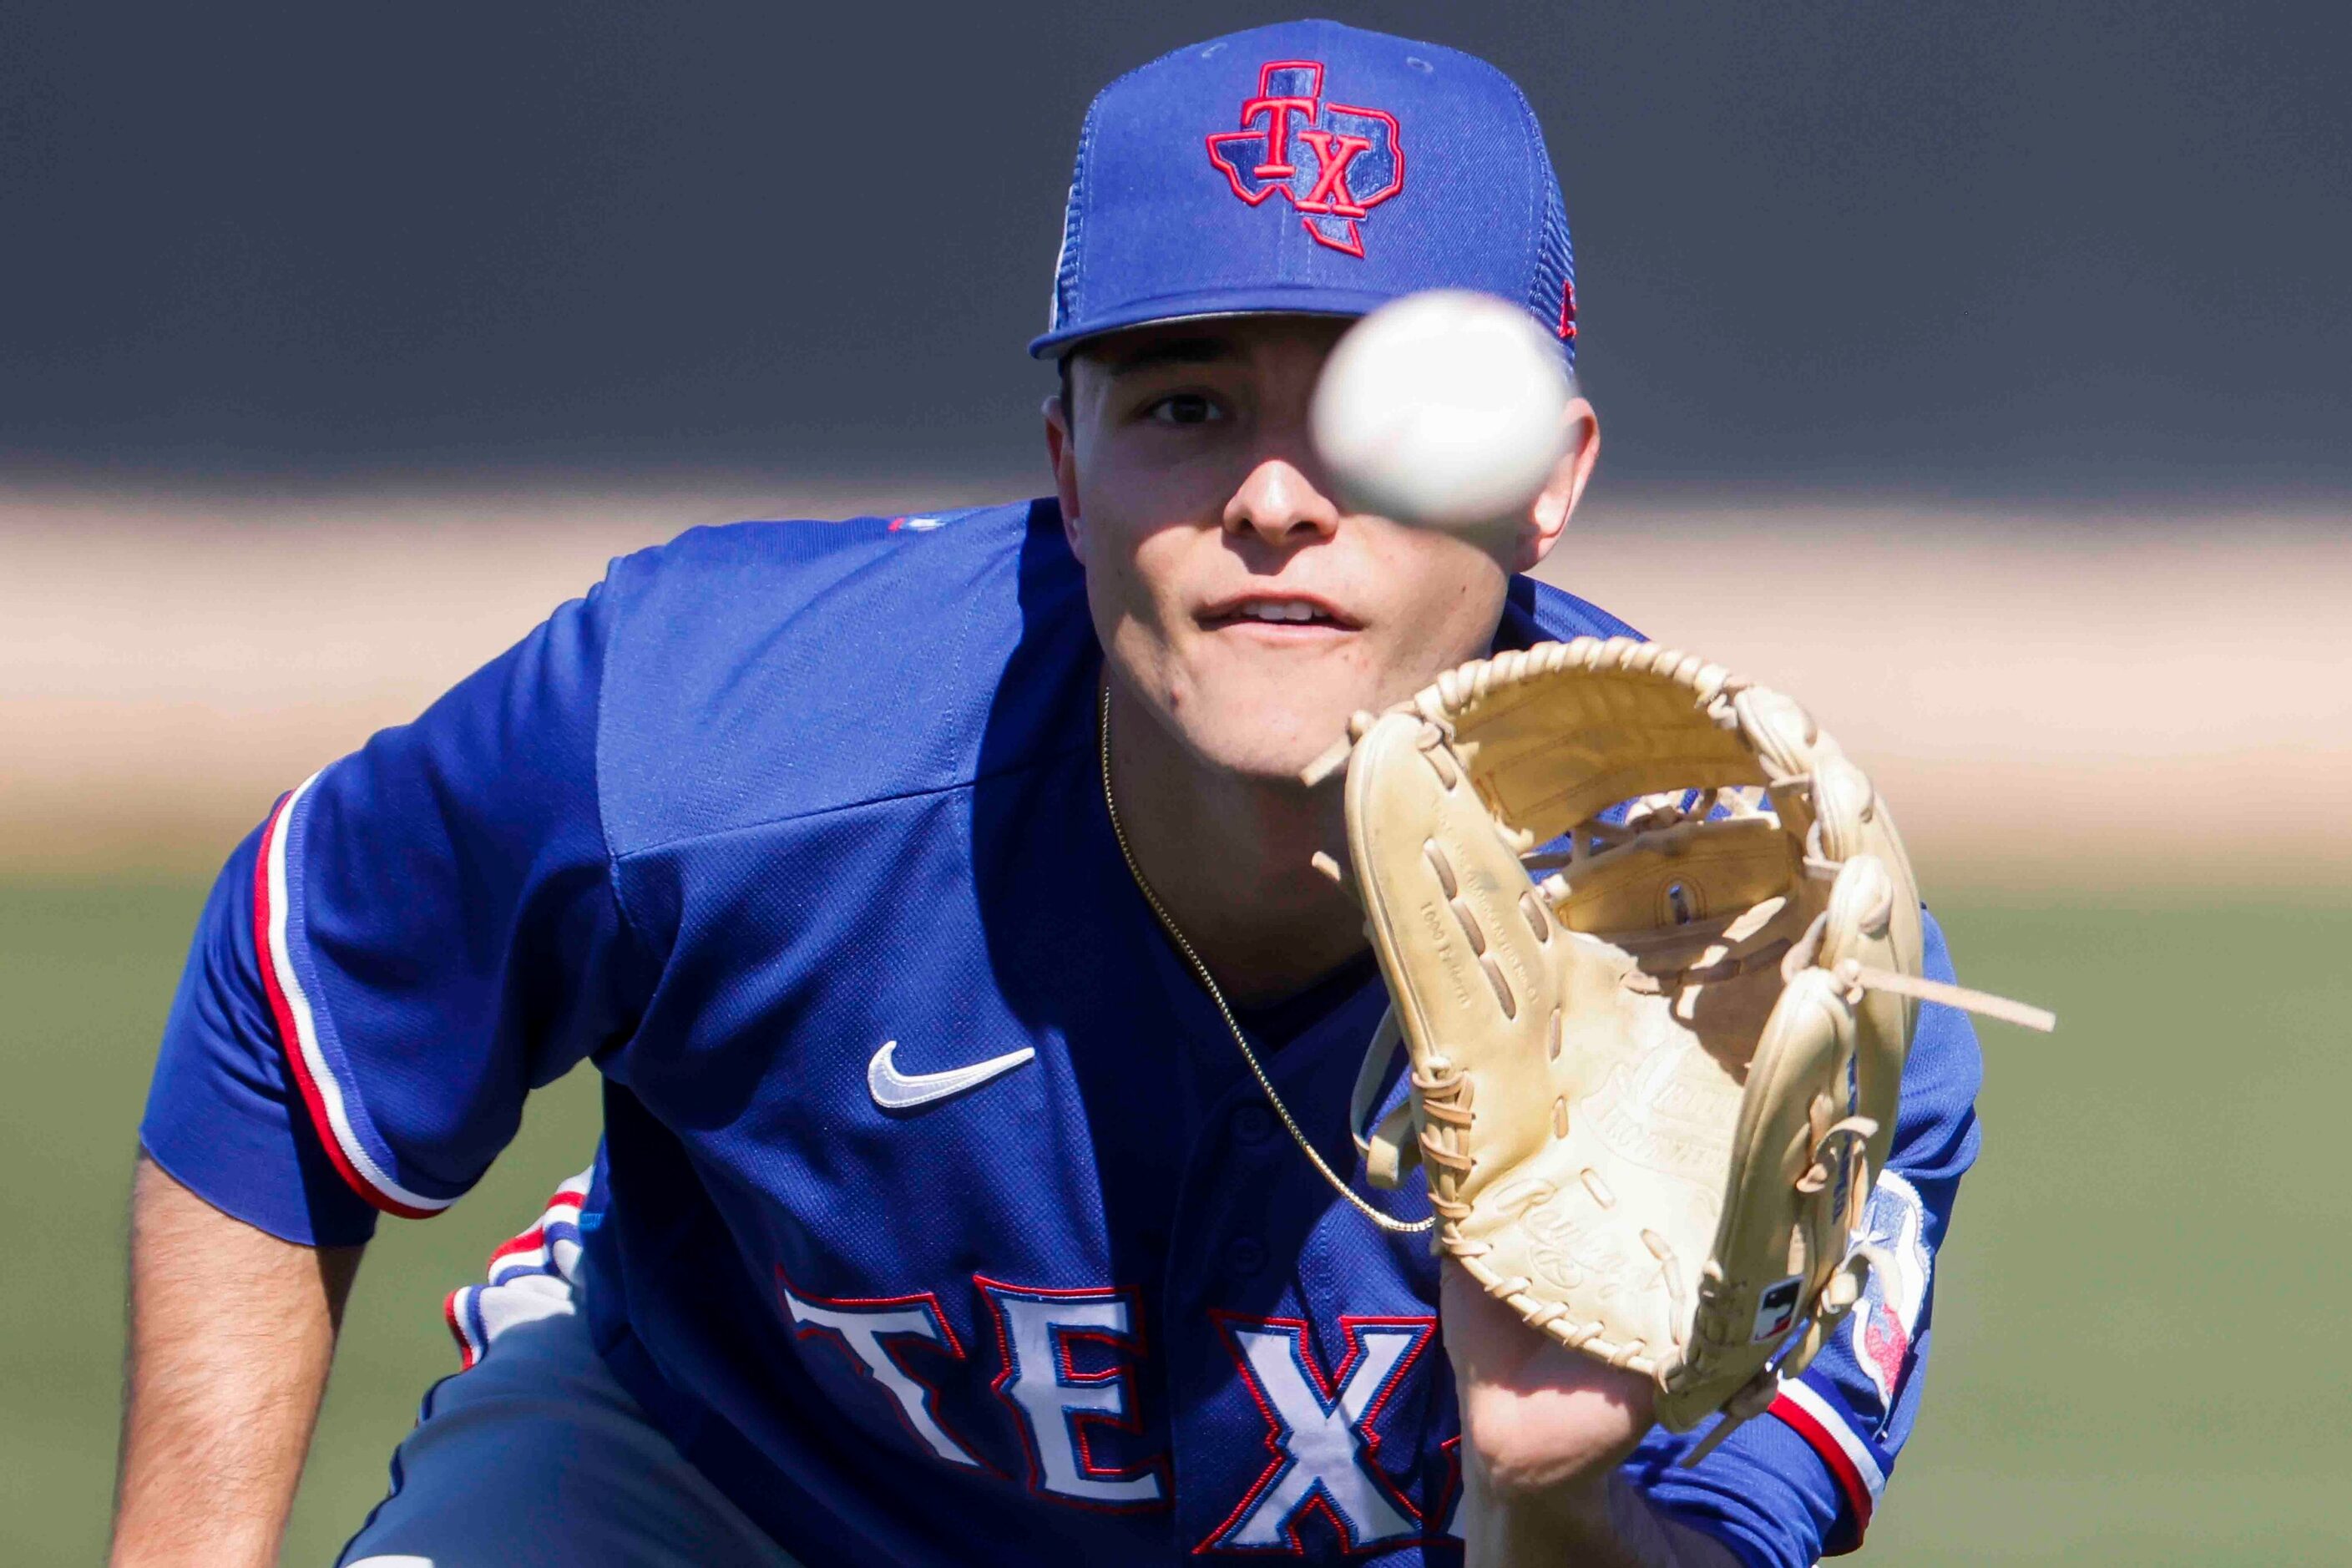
<point x="1183" y="408"/>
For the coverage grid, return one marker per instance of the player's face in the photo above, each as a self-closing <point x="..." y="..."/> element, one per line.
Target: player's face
<point x="1232" y="592"/>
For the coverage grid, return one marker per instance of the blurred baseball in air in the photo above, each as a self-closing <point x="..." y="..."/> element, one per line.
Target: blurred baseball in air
<point x="1444" y="409"/>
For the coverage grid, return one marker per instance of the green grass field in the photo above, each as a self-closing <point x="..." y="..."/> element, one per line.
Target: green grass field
<point x="2137" y="1358"/>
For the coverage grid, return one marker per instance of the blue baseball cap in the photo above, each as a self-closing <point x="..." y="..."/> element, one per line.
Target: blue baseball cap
<point x="1307" y="168"/>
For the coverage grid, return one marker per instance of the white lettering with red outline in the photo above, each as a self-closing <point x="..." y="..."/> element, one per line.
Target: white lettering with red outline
<point x="1319" y="1431"/>
<point x="1055" y="1402"/>
<point x="859" y="1326"/>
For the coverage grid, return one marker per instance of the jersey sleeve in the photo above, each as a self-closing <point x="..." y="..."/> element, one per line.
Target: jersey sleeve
<point x="1801" y="1480"/>
<point x="417" y="936"/>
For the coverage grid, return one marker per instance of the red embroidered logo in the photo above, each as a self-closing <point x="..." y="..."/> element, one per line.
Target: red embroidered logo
<point x="1333" y="162"/>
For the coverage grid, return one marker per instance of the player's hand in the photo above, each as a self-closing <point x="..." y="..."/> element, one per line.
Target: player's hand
<point x="1543" y="1427"/>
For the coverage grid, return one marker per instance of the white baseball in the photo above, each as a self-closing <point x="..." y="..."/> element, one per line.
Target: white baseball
<point x="1444" y="410"/>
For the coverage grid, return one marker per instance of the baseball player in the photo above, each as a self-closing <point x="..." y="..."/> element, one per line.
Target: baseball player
<point x="947" y="1211"/>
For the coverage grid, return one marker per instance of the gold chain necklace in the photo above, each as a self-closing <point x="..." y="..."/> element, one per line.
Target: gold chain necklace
<point x="1208" y="984"/>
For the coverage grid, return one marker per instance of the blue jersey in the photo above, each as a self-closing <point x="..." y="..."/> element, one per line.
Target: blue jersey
<point x="776" y="824"/>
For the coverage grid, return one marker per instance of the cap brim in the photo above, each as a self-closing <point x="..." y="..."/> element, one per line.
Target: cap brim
<point x="1209" y="305"/>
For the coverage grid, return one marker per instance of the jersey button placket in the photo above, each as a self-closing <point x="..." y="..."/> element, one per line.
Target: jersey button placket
<point x="1253" y="1123"/>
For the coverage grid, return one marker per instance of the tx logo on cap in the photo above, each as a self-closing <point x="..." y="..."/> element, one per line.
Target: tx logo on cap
<point x="1332" y="162"/>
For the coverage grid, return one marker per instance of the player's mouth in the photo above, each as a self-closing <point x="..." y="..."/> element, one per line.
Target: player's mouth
<point x="1285" y="615"/>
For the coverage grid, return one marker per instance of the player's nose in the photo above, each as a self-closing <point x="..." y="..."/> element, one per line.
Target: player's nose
<point x="1281" y="505"/>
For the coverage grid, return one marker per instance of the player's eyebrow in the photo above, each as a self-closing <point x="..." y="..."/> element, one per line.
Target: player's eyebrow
<point x="1202" y="349"/>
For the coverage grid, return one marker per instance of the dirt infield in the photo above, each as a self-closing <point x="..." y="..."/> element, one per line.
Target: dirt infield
<point x="2141" y="701"/>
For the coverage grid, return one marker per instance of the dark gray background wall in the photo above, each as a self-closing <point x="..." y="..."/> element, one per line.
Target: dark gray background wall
<point x="2055" y="248"/>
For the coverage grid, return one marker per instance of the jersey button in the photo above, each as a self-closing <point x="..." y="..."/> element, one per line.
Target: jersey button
<point x="1253" y="1123"/>
<point x="1245" y="1255"/>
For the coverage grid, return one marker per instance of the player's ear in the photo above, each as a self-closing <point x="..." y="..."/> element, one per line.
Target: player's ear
<point x="1061" y="451"/>
<point x="1549" y="518"/>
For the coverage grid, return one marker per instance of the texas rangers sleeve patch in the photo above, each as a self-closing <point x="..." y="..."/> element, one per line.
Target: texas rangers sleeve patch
<point x="1886" y="1320"/>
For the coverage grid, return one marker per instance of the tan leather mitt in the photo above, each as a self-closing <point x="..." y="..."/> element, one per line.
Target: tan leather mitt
<point x="1655" y="1054"/>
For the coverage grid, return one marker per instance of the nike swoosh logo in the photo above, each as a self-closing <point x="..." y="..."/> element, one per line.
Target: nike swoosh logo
<point x="895" y="1091"/>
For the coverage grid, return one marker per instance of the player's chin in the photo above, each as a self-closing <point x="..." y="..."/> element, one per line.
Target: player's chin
<point x="1270" y="716"/>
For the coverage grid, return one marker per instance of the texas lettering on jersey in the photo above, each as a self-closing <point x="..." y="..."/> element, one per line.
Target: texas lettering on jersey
<point x="1354" y="1451"/>
<point x="1070" y="1370"/>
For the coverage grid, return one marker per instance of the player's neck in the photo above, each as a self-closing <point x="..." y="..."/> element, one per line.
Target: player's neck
<point x="1229" y="856"/>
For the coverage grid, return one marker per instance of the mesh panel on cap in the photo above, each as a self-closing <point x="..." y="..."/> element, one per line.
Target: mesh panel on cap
<point x="1551" y="291"/>
<point x="1065" y="265"/>
<point x="1549" y="295"/>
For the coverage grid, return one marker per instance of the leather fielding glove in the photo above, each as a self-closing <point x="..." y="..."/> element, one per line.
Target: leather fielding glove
<point x="1652" y="947"/>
